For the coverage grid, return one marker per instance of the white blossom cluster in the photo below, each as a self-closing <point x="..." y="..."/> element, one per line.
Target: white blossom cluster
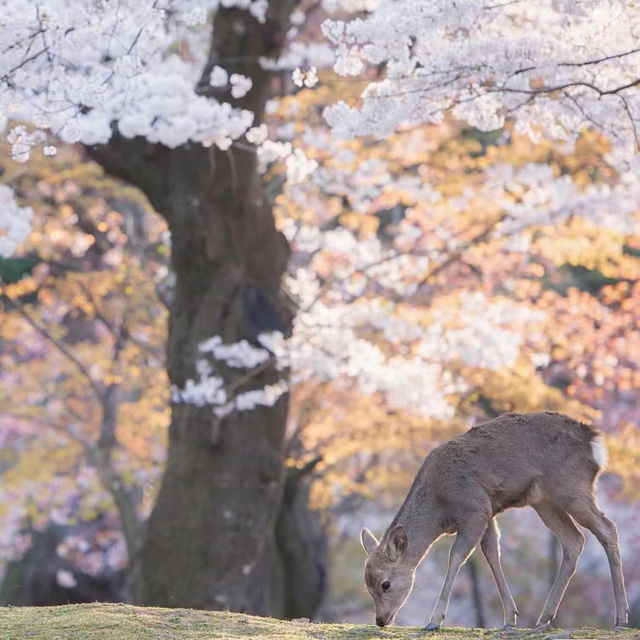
<point x="73" y="69"/>
<point x="478" y="335"/>
<point x="335" y="269"/>
<point x="15" y="222"/>
<point x="327" y="344"/>
<point x="299" y="166"/>
<point x="307" y="78"/>
<point x="210" y="390"/>
<point x="239" y="355"/>
<point x="543" y="199"/>
<point x="257" y="8"/>
<point x="302" y="54"/>
<point x="350" y="6"/>
<point x="554" y="65"/>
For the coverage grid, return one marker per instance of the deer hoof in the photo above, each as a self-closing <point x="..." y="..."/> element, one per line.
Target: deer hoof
<point x="431" y="626"/>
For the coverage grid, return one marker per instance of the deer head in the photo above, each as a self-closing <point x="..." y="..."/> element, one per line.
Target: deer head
<point x="388" y="573"/>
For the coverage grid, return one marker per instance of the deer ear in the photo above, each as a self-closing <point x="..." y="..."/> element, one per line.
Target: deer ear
<point x="368" y="540"/>
<point x="396" y="542"/>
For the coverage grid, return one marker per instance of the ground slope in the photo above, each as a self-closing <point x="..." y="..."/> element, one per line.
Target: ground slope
<point x="122" y="622"/>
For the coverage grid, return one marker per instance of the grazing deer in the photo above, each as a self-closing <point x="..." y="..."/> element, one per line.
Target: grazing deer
<point x="546" y="460"/>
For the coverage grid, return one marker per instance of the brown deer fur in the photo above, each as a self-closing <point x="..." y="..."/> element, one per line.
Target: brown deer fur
<point x="546" y="460"/>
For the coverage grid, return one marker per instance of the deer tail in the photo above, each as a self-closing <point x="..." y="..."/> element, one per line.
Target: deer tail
<point x="599" y="451"/>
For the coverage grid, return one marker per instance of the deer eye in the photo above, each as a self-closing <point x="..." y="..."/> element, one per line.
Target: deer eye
<point x="386" y="585"/>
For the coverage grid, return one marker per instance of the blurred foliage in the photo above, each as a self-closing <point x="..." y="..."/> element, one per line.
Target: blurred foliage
<point x="82" y="336"/>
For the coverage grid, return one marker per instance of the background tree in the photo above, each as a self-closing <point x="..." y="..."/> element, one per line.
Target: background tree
<point x="82" y="361"/>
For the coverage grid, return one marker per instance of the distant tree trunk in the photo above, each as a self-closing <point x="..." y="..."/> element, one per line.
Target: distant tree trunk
<point x="210" y="541"/>
<point x="300" y="577"/>
<point x="33" y="580"/>
<point x="476" y="592"/>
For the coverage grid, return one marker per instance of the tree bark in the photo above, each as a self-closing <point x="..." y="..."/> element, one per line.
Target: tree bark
<point x="210" y="539"/>
<point x="210" y="536"/>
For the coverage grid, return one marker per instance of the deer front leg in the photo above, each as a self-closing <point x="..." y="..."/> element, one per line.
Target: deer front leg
<point x="490" y="545"/>
<point x="463" y="545"/>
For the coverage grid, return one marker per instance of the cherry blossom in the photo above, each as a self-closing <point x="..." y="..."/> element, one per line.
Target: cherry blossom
<point x="15" y="222"/>
<point x="555" y="66"/>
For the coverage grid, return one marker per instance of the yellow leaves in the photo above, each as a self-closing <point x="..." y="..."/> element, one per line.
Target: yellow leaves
<point x="366" y="448"/>
<point x="46" y="456"/>
<point x="581" y="242"/>
<point x="521" y="389"/>
<point x="67" y="213"/>
<point x="32" y="511"/>
<point x="624" y="458"/>
<point x="534" y="270"/>
<point x="619" y="293"/>
<point x="20" y="289"/>
<point x="364" y="225"/>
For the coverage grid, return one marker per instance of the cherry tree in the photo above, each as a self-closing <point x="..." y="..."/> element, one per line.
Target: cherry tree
<point x="171" y="95"/>
<point x="157" y="92"/>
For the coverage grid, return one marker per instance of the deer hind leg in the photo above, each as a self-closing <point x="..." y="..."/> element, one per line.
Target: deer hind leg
<point x="589" y="516"/>
<point x="466" y="540"/>
<point x="571" y="541"/>
<point x="490" y="545"/>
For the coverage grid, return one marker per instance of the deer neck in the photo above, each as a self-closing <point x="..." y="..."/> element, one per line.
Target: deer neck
<point x="422" y="522"/>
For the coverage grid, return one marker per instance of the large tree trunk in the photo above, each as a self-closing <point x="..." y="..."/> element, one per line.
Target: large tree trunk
<point x="210" y="539"/>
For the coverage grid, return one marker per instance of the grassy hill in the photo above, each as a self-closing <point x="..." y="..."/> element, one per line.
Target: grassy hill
<point x="123" y="622"/>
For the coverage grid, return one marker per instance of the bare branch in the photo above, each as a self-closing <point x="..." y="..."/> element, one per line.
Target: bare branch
<point x="615" y="56"/>
<point x="62" y="348"/>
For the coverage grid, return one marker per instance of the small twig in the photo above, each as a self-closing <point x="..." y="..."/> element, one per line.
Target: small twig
<point x="295" y="474"/>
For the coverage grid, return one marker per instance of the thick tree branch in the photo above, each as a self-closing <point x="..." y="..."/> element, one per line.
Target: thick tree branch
<point x="137" y="162"/>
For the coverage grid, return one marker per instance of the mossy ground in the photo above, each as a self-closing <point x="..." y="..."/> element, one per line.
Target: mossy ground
<point x="122" y="622"/>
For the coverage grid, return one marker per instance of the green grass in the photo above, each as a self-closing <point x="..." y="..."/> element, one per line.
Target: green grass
<point x="123" y="622"/>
